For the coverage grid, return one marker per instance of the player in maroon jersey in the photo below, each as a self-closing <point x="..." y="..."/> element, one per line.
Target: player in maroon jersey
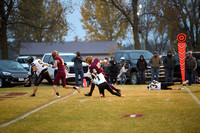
<point x="61" y="73"/>
<point x="95" y="66"/>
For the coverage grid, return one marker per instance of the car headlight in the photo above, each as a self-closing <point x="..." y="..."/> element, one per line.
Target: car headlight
<point x="6" y="73"/>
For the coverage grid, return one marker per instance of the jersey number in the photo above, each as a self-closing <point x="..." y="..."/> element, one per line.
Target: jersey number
<point x="40" y="62"/>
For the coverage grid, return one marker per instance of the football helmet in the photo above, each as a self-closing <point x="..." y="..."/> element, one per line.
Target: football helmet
<point x="30" y="59"/>
<point x="88" y="60"/>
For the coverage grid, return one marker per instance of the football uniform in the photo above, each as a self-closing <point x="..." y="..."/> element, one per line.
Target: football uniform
<point x="99" y="79"/>
<point x="155" y="86"/>
<point x="41" y="72"/>
<point x="39" y="66"/>
<point x="61" y="73"/>
<point x="96" y="65"/>
<point x="102" y="84"/>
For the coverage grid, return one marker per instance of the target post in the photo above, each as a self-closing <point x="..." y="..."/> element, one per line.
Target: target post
<point x="181" y="50"/>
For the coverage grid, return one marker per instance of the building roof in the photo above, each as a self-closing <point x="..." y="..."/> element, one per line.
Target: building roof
<point x="39" y="48"/>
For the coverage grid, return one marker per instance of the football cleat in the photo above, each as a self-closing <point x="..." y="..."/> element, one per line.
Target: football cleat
<point x="89" y="94"/>
<point x="57" y="96"/>
<point x="77" y="88"/>
<point x="185" y="82"/>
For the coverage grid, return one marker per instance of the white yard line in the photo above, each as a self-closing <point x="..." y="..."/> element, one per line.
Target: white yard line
<point x="35" y="110"/>
<point x="193" y="96"/>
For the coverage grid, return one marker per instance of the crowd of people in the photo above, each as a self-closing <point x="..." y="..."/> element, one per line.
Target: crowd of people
<point x="113" y="71"/>
<point x="106" y="73"/>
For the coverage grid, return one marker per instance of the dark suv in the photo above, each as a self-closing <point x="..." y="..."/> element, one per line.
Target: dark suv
<point x="12" y="72"/>
<point x="131" y="57"/>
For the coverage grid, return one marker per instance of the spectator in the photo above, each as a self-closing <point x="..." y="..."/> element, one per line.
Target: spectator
<point x="169" y="63"/>
<point x="106" y="70"/>
<point x="112" y="58"/>
<point x="141" y="65"/>
<point x="113" y="71"/>
<point x="78" y="68"/>
<point x="155" y="63"/>
<point x="190" y="66"/>
<point x="122" y="73"/>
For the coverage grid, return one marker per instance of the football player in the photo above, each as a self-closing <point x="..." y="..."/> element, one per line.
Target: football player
<point x="38" y="71"/>
<point x="155" y="85"/>
<point x="61" y="73"/>
<point x="95" y="64"/>
<point x="102" y="84"/>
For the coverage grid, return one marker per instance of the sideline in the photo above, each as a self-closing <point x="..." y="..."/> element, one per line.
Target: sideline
<point x="193" y="96"/>
<point x="35" y="110"/>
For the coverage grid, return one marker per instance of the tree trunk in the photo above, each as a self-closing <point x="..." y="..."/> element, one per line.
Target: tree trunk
<point x="135" y="24"/>
<point x="3" y="32"/>
<point x="3" y="42"/>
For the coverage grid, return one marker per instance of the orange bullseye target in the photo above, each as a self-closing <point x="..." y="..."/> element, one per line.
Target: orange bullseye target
<point x="181" y="37"/>
<point x="181" y="50"/>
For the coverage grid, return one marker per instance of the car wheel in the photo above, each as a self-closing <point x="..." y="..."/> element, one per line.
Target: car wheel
<point x="133" y="78"/>
<point x="1" y="83"/>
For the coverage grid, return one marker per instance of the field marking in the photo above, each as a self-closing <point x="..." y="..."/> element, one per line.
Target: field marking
<point x="193" y="96"/>
<point x="35" y="110"/>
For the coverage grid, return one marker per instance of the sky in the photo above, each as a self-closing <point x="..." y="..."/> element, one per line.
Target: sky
<point x="75" y="23"/>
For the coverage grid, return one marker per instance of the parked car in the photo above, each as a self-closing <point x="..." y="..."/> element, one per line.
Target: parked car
<point x="67" y="57"/>
<point x="177" y="72"/>
<point x="22" y="60"/>
<point x="131" y="57"/>
<point x="12" y="72"/>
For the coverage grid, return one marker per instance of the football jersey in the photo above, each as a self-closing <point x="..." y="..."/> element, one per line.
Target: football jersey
<point x="39" y="66"/>
<point x="154" y="86"/>
<point x="61" y="67"/>
<point x="96" y="65"/>
<point x="99" y="79"/>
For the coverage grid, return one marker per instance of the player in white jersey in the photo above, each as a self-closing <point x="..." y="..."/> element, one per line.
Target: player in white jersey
<point x="102" y="84"/>
<point x="38" y="70"/>
<point x="155" y="85"/>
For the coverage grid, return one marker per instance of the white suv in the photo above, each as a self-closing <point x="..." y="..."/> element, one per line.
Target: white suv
<point x="67" y="57"/>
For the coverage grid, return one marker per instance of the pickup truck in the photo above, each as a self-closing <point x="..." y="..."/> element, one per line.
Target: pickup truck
<point x="131" y="57"/>
<point x="47" y="58"/>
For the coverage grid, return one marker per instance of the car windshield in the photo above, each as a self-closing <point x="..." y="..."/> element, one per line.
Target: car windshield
<point x="22" y="60"/>
<point x="10" y="65"/>
<point x="136" y="55"/>
<point x="67" y="58"/>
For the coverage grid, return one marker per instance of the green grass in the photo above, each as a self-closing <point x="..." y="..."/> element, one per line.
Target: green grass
<point x="163" y="111"/>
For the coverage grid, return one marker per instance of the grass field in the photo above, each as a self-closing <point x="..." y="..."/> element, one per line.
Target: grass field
<point x="163" y="111"/>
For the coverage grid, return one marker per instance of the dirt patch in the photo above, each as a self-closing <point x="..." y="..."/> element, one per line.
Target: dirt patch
<point x="6" y="96"/>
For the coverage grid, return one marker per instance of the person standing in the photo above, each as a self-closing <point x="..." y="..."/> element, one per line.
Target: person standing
<point x="141" y="65"/>
<point x="114" y="70"/>
<point x="78" y="68"/>
<point x="190" y="67"/>
<point x="169" y="63"/>
<point x="61" y="73"/>
<point x="106" y="70"/>
<point x="122" y="73"/>
<point x="155" y="63"/>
